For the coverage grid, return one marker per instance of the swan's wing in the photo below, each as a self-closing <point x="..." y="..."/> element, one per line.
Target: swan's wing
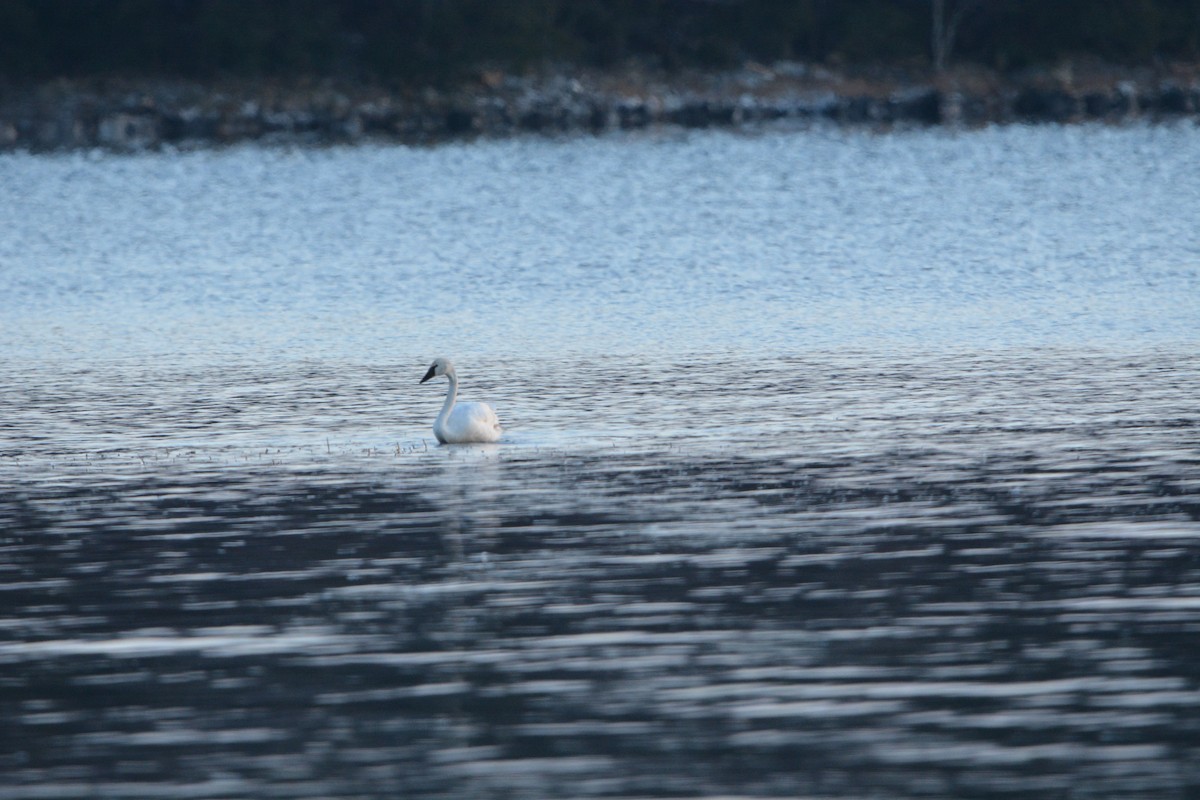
<point x="478" y="412"/>
<point x="475" y="421"/>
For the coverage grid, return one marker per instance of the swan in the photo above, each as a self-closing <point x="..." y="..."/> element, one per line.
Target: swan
<point x="465" y="422"/>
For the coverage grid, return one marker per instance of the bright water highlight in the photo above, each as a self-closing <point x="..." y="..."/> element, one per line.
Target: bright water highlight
<point x="835" y="465"/>
<point x="701" y="243"/>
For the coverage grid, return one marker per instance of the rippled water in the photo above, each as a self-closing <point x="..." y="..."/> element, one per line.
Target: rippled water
<point x="836" y="465"/>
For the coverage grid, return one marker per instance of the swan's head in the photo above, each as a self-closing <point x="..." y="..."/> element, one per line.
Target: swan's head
<point x="440" y="366"/>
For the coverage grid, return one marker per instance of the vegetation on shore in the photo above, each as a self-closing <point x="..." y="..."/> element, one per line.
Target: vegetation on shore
<point x="424" y="41"/>
<point x="140" y="73"/>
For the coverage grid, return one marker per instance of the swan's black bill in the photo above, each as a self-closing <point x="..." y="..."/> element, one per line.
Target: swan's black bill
<point x="428" y="375"/>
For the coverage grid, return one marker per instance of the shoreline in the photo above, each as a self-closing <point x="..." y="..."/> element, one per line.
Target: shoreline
<point x="130" y="115"/>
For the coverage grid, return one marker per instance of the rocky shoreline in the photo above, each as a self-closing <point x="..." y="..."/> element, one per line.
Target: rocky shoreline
<point x="127" y="115"/>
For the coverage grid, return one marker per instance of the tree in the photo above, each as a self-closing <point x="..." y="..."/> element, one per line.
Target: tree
<point x="945" y="28"/>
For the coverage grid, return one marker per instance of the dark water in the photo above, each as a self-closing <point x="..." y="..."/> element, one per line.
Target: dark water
<point x="970" y="576"/>
<point x="852" y="511"/>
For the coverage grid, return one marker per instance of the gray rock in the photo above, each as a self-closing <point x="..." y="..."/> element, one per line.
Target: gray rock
<point x="123" y="130"/>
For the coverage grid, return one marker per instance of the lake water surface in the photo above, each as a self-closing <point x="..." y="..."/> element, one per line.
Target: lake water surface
<point x="836" y="465"/>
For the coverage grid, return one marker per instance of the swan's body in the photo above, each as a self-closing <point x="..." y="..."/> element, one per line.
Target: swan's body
<point x="462" y="422"/>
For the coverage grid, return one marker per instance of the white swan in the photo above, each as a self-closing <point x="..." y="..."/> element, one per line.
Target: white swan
<point x="465" y="422"/>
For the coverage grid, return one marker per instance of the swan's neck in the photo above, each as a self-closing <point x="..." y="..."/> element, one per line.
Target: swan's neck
<point x="451" y="396"/>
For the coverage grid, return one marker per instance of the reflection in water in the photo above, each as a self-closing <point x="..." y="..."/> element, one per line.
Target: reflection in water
<point x="969" y="576"/>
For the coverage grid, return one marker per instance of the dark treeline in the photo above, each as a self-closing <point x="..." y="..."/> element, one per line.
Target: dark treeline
<point x="433" y="40"/>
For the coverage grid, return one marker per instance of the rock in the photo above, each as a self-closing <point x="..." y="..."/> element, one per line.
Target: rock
<point x="633" y="114"/>
<point x="351" y="127"/>
<point x="126" y="115"/>
<point x="1170" y="99"/>
<point x="1107" y="104"/>
<point x="236" y="126"/>
<point x="189" y="124"/>
<point x="1037" y="104"/>
<point x="921" y="104"/>
<point x="494" y="116"/>
<point x="857" y="110"/>
<point x="129" y="131"/>
<point x="459" y="121"/>
<point x="701" y="114"/>
<point x="600" y="117"/>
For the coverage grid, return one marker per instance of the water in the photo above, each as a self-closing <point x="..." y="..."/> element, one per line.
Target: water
<point x="836" y="465"/>
<point x="706" y="243"/>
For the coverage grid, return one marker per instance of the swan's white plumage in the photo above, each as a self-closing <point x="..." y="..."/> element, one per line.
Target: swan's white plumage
<point x="459" y="423"/>
<point x="468" y="422"/>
